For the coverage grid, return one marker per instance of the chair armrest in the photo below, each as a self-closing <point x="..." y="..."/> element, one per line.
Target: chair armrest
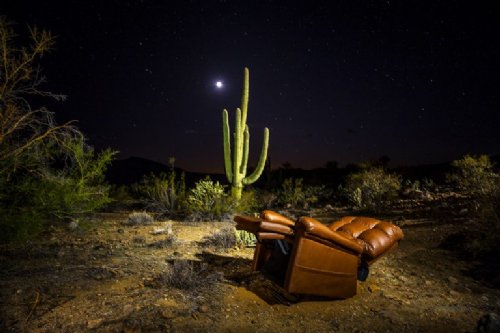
<point x="247" y="223"/>
<point x="270" y="216"/>
<point x="316" y="228"/>
<point x="255" y="224"/>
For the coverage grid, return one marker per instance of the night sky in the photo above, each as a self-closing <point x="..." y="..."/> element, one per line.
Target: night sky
<point x="344" y="81"/>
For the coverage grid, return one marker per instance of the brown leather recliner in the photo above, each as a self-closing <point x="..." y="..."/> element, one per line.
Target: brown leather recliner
<point x="310" y="258"/>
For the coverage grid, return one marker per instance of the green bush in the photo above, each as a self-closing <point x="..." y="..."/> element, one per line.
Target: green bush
<point x="184" y="274"/>
<point x="224" y="238"/>
<point x="294" y="193"/>
<point x="371" y="188"/>
<point x="163" y="193"/>
<point x="68" y="182"/>
<point x="208" y="201"/>
<point x="47" y="170"/>
<point x="474" y="176"/>
<point x="248" y="203"/>
<point x="317" y="194"/>
<point x="291" y="193"/>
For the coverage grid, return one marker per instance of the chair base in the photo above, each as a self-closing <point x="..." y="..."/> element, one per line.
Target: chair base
<point x="310" y="268"/>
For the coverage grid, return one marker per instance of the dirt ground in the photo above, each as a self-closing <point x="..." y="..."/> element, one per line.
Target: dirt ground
<point x="113" y="277"/>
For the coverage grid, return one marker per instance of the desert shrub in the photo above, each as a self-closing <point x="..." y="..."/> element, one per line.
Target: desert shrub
<point x="317" y="194"/>
<point x="474" y="176"/>
<point x="247" y="204"/>
<point x="291" y="192"/>
<point x="76" y="186"/>
<point x="69" y="188"/>
<point x="229" y="237"/>
<point x="140" y="218"/>
<point x="268" y="199"/>
<point x="294" y="193"/>
<point x="19" y="226"/>
<point x="167" y="242"/>
<point x="120" y="193"/>
<point x="184" y="274"/>
<point x="224" y="238"/>
<point x="163" y="193"/>
<point x="371" y="188"/>
<point x="208" y="201"/>
<point x="47" y="171"/>
<point x="411" y="186"/>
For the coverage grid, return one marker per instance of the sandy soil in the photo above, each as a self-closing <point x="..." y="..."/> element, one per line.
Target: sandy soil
<point x="113" y="278"/>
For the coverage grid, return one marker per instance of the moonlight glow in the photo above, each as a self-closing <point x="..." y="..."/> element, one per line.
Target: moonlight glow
<point x="219" y="84"/>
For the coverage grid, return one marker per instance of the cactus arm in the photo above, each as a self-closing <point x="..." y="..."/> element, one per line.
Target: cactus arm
<point x="227" y="146"/>
<point x="262" y="161"/>
<point x="246" y="148"/>
<point x="237" y="150"/>
<point x="244" y="98"/>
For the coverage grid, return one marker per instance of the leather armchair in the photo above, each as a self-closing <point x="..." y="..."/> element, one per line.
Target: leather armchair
<point x="311" y="258"/>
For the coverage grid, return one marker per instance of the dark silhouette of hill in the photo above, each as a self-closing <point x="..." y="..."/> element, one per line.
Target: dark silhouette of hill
<point x="133" y="169"/>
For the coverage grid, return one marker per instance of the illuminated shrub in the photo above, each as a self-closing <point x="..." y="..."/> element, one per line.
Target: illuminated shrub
<point x="294" y="193"/>
<point x="247" y="204"/>
<point x="224" y="238"/>
<point x="184" y="274"/>
<point x="474" y="176"/>
<point x="208" y="201"/>
<point x="163" y="193"/>
<point x="139" y="218"/>
<point x="371" y="188"/>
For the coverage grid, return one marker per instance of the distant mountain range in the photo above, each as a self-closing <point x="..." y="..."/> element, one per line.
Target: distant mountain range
<point x="132" y="170"/>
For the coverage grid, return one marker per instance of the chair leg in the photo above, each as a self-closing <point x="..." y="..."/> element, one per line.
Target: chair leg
<point x="363" y="271"/>
<point x="261" y="255"/>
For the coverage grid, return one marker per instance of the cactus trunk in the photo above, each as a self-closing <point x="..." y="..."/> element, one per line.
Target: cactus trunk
<point x="236" y="168"/>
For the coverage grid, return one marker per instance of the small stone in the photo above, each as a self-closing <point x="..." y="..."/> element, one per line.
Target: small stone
<point x="373" y="288"/>
<point x="94" y="323"/>
<point x="120" y="231"/>
<point x="452" y="280"/>
<point x="402" y="278"/>
<point x="485" y="298"/>
<point x="203" y="308"/>
<point x="73" y="225"/>
<point x="127" y="309"/>
<point x="168" y="314"/>
<point x="158" y="231"/>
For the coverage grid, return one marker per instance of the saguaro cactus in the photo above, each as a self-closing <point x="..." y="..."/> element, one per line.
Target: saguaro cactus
<point x="236" y="169"/>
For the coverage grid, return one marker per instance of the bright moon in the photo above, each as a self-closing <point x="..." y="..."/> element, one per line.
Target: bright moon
<point x="218" y="84"/>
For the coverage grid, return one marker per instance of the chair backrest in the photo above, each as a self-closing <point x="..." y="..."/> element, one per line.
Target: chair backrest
<point x="376" y="237"/>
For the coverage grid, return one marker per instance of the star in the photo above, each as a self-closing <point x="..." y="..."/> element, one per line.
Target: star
<point x="219" y="84"/>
